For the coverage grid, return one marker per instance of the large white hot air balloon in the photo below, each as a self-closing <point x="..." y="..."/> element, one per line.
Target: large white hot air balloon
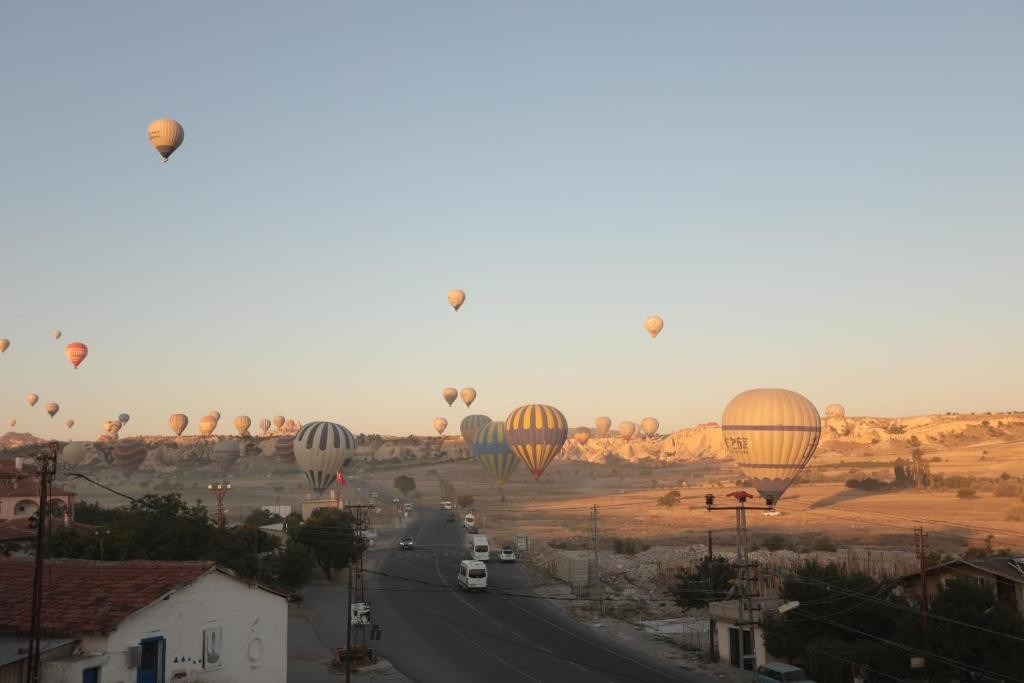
<point x="166" y="135"/>
<point x="320" y="448"/>
<point x="772" y="434"/>
<point x="649" y="426"/>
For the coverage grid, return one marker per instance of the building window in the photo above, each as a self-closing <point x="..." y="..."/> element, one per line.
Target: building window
<point x="151" y="661"/>
<point x="91" y="675"/>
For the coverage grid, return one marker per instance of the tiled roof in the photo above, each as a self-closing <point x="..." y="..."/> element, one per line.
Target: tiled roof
<point x="8" y="467"/>
<point x="85" y="596"/>
<point x="16" y="530"/>
<point x="1007" y="567"/>
<point x="29" y="488"/>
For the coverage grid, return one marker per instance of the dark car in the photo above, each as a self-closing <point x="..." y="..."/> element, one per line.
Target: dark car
<point x="449" y="517"/>
<point x="406" y="543"/>
<point x="471" y="529"/>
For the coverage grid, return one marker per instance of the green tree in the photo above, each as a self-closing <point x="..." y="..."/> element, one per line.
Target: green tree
<point x="261" y="517"/>
<point x="708" y="581"/>
<point x="330" y="539"/>
<point x="293" y="566"/>
<point x="920" y="469"/>
<point x="405" y="484"/>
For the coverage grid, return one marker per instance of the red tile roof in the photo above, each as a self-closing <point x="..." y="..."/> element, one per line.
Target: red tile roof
<point x="85" y="596"/>
<point x="16" y="530"/>
<point x="29" y="488"/>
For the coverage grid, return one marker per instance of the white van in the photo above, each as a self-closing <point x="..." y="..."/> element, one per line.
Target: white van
<point x="446" y="505"/>
<point x="472" y="575"/>
<point x="469" y="520"/>
<point x="478" y="548"/>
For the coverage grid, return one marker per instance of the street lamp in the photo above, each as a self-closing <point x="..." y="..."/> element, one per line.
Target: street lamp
<point x="219" y="488"/>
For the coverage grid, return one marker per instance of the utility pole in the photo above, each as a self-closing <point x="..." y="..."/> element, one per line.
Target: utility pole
<point x="355" y="586"/>
<point x="597" y="560"/>
<point x="46" y="467"/>
<point x="219" y="488"/>
<point x="921" y="544"/>
<point x="711" y="619"/>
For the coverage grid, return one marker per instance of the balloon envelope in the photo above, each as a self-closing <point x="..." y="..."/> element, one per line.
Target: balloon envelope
<point x="450" y="394"/>
<point x="834" y="410"/>
<point x="129" y="455"/>
<point x="653" y="325"/>
<point x="31" y="399"/>
<point x="582" y="436"/>
<point x="440" y="424"/>
<point x="627" y="430"/>
<point x="4" y="344"/>
<point x="12" y="422"/>
<point x="75" y="452"/>
<point x="207" y="423"/>
<point x="283" y="449"/>
<point x="225" y="454"/>
<point x="242" y="423"/>
<point x="264" y="425"/>
<point x="216" y="414"/>
<point x="456" y="298"/>
<point x="56" y="334"/>
<point x="76" y="353"/>
<point x="51" y="409"/>
<point x="772" y="434"/>
<point x="178" y="423"/>
<point x="278" y="421"/>
<point x="320" y="449"/>
<point x="70" y="423"/>
<point x="114" y="427"/>
<point x="166" y="135"/>
<point x="649" y="426"/>
<point x="468" y="395"/>
<point x="603" y="424"/>
<point x="492" y="451"/>
<point x="123" y="418"/>
<point x="469" y="426"/>
<point x="536" y="433"/>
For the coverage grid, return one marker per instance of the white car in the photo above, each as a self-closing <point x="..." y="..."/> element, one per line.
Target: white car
<point x="507" y="554"/>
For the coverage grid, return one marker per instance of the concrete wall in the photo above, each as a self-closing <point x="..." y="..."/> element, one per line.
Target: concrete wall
<point x="254" y="625"/>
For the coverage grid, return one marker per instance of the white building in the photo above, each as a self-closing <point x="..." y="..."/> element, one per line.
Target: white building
<point x="148" y="622"/>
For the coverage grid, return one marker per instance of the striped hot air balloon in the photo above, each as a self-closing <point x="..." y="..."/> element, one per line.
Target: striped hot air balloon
<point x="470" y="424"/>
<point x="166" y="135"/>
<point x="283" y="449"/>
<point x="320" y="449"/>
<point x="536" y="433"/>
<point x="491" y="450"/>
<point x="225" y="454"/>
<point x="242" y="424"/>
<point x="772" y="434"/>
<point x="76" y="353"/>
<point x="178" y="423"/>
<point x="207" y="423"/>
<point x="603" y="424"/>
<point x="129" y="455"/>
<point x="264" y="425"/>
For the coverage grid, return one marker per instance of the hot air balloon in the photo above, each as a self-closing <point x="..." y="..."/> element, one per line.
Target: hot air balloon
<point x="225" y="454"/>
<point x="106" y="425"/>
<point x="51" y="409"/>
<point x="491" y="450"/>
<point x="283" y="449"/>
<point x="242" y="423"/>
<point x="320" y="449"/>
<point x="835" y="411"/>
<point x="278" y="421"/>
<point x="456" y="298"/>
<point x="649" y="426"/>
<point x="115" y="427"/>
<point x="4" y="344"/>
<point x="627" y="430"/>
<point x="123" y="418"/>
<point x="536" y="433"/>
<point x="440" y="424"/>
<point x="653" y="325"/>
<point x="603" y="424"/>
<point x="215" y="414"/>
<point x="178" y="422"/>
<point x="450" y="394"/>
<point x="207" y="423"/>
<point x="470" y="424"/>
<point x="772" y="434"/>
<point x="75" y="452"/>
<point x="468" y="395"/>
<point x="32" y="399"/>
<point x="166" y="135"/>
<point x="582" y="436"/>
<point x="56" y="334"/>
<point x="264" y="425"/>
<point x="76" y="353"/>
<point x="129" y="455"/>
<point x="70" y="424"/>
<point x="12" y="422"/>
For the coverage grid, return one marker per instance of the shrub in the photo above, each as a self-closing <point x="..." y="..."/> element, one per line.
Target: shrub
<point x="1007" y="489"/>
<point x="966" y="493"/>
<point x="670" y="499"/>
<point x="824" y="543"/>
<point x="774" y="542"/>
<point x="1014" y="513"/>
<point x="629" y="546"/>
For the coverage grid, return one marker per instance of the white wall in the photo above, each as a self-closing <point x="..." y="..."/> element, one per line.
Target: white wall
<point x="245" y="614"/>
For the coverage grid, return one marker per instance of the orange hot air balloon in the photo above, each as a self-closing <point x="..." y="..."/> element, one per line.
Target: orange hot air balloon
<point x="450" y="394"/>
<point x="31" y="399"/>
<point x="242" y="424"/>
<point x="76" y="353"/>
<point x="4" y="343"/>
<point x="653" y="325"/>
<point x="456" y="298"/>
<point x="582" y="436"/>
<point x="278" y="421"/>
<point x="51" y="409"/>
<point x="207" y="423"/>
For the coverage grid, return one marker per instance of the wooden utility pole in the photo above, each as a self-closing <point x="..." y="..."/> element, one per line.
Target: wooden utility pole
<point x="711" y="619"/>
<point x="597" y="560"/>
<point x="921" y="544"/>
<point x="46" y="466"/>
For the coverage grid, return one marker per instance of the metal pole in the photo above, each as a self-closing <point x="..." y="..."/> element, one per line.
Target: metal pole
<point x="921" y="543"/>
<point x="711" y="620"/>
<point x="741" y="578"/>
<point x="45" y="470"/>
<point x="597" y="560"/>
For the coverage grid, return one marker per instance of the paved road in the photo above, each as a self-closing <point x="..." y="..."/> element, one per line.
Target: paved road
<point x="432" y="631"/>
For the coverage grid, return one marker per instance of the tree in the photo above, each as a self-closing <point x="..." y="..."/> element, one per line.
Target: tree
<point x="293" y="566"/>
<point x="670" y="499"/>
<point x="708" y="581"/>
<point x="328" y="535"/>
<point x="465" y="501"/>
<point x="262" y="517"/>
<point x="405" y="484"/>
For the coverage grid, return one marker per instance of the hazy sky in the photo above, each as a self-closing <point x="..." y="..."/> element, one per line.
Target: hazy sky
<point x="821" y="196"/>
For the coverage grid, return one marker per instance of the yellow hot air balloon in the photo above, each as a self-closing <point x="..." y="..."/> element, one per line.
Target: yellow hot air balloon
<point x="581" y="435"/>
<point x="627" y="430"/>
<point x="51" y="409"/>
<point x="603" y="424"/>
<point x="772" y="434"/>
<point x="653" y="325"/>
<point x="207" y="423"/>
<point x="32" y="399"/>
<point x="178" y="422"/>
<point x="4" y="344"/>
<point x="470" y="425"/>
<point x="242" y="423"/>
<point x="278" y="421"/>
<point x="450" y="394"/>
<point x="440" y="424"/>
<point x="835" y="411"/>
<point x="56" y="334"/>
<point x="536" y="433"/>
<point x="166" y="135"/>
<point x="456" y="298"/>
<point x="468" y="395"/>
<point x="649" y="426"/>
<point x="491" y="450"/>
<point x="75" y="452"/>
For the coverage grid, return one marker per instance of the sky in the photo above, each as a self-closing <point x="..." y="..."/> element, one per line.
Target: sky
<point x="824" y="197"/>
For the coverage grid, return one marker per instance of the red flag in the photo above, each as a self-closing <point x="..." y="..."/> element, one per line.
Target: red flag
<point x="340" y="477"/>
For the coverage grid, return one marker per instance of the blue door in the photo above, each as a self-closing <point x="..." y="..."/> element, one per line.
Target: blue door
<point x="91" y="675"/>
<point x="151" y="663"/>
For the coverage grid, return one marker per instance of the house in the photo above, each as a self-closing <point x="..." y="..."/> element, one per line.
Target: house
<point x="17" y="537"/>
<point x="144" y="621"/>
<point x="1003" y="574"/>
<point x="311" y="504"/>
<point x="19" y="497"/>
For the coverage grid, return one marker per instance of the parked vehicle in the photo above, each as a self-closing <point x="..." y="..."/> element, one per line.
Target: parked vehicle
<point x="472" y="575"/>
<point x="406" y="543"/>
<point x="507" y="554"/>
<point x="777" y="671"/>
<point x="472" y="529"/>
<point x="469" y="520"/>
<point x="446" y="505"/>
<point x="449" y="517"/>
<point x="407" y="507"/>
<point x="479" y="549"/>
